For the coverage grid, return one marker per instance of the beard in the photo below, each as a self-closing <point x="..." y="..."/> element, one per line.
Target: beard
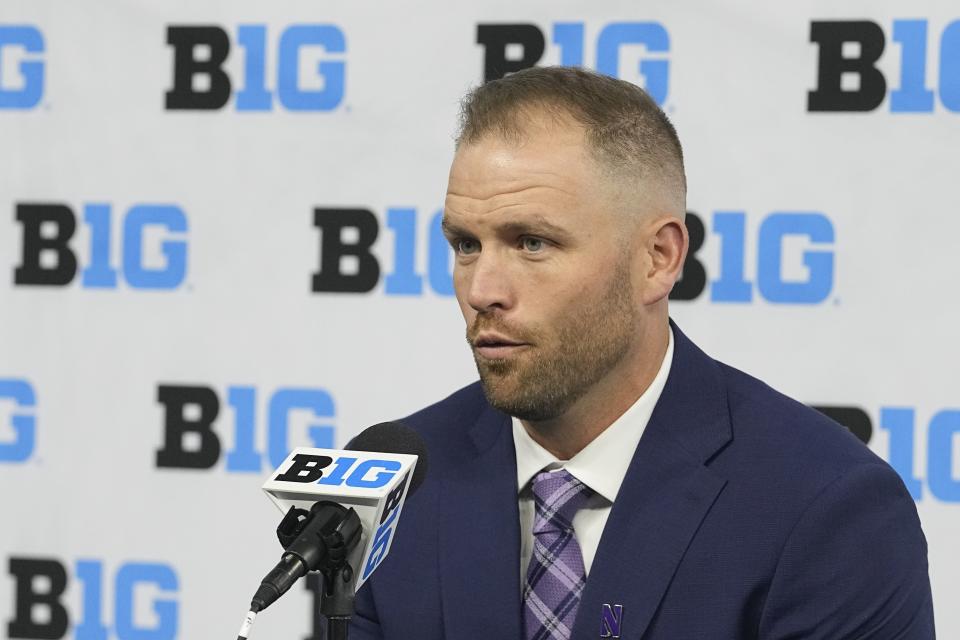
<point x="563" y="360"/>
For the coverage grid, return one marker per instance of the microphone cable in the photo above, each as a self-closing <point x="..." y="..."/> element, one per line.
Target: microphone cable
<point x="247" y="623"/>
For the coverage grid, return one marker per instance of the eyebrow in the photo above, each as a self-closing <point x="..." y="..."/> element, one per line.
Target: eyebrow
<point x="532" y="225"/>
<point x="451" y="228"/>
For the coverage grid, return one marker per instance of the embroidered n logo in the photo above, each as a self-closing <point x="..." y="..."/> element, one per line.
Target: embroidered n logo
<point x="611" y="620"/>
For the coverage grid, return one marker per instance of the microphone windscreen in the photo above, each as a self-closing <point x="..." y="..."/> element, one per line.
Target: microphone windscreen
<point x="394" y="437"/>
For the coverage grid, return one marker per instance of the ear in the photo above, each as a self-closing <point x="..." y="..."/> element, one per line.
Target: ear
<point x="667" y="241"/>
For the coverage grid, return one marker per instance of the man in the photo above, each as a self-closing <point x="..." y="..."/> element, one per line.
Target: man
<point x="606" y="478"/>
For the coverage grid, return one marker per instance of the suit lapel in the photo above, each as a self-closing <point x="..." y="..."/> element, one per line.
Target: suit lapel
<point x="480" y="537"/>
<point x="664" y="497"/>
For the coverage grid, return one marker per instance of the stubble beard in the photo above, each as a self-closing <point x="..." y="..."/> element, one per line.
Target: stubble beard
<point x="564" y="361"/>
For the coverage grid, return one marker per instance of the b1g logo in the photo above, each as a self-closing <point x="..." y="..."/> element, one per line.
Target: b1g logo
<point x="512" y="47"/>
<point x="385" y="528"/>
<point x="21" y="49"/>
<point x="904" y="435"/>
<point x="350" y="471"/>
<point x="349" y="265"/>
<point x="48" y="259"/>
<point x="190" y="414"/>
<point x="810" y="283"/>
<point x="848" y="55"/>
<point x="201" y="82"/>
<point x="18" y="402"/>
<point x="41" y="584"/>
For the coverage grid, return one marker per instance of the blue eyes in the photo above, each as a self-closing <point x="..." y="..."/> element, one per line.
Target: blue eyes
<point x="466" y="247"/>
<point x="469" y="246"/>
<point x="533" y="245"/>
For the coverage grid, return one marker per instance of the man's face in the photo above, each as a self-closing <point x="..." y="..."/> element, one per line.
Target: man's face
<point x="543" y="270"/>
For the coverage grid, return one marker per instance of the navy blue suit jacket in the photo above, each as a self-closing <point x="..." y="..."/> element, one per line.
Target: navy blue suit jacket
<point x="744" y="514"/>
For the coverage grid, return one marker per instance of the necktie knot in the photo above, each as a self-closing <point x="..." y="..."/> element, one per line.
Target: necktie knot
<point x="557" y="496"/>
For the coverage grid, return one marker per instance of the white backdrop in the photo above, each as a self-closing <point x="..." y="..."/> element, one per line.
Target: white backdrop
<point x="196" y="249"/>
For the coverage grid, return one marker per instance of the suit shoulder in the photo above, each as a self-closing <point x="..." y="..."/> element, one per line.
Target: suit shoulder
<point x="784" y="437"/>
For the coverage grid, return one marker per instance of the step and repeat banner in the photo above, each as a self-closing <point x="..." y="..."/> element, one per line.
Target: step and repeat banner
<point x="219" y="240"/>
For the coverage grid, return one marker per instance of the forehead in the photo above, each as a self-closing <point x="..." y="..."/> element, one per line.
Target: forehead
<point x="550" y="163"/>
<point x="543" y="144"/>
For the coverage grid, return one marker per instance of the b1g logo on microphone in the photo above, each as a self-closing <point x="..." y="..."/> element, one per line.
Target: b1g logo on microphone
<point x="151" y="238"/>
<point x="421" y="256"/>
<point x="349" y="471"/>
<point x="512" y="47"/>
<point x="905" y="433"/>
<point x="200" y="80"/>
<point x="794" y="258"/>
<point x="39" y="610"/>
<point x="373" y="484"/>
<point x="21" y="66"/>
<point x="358" y="472"/>
<point x="190" y="429"/>
<point x="848" y="78"/>
<point x="18" y="422"/>
<point x="386" y="525"/>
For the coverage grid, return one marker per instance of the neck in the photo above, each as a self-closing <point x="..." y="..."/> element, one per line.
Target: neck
<point x="608" y="399"/>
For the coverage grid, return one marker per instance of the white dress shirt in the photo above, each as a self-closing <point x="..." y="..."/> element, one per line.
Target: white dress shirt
<point x="601" y="465"/>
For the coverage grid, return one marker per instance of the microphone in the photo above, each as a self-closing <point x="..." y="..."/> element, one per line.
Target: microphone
<point x="331" y="497"/>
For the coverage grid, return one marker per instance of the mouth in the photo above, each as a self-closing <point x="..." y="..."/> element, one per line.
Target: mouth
<point x="494" y="346"/>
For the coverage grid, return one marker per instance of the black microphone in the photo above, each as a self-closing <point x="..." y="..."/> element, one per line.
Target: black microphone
<point x="323" y="538"/>
<point x="394" y="437"/>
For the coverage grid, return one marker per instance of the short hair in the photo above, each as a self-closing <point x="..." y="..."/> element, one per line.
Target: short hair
<point x="625" y="129"/>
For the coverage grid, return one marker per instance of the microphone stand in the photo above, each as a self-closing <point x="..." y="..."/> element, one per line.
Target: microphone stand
<point x="339" y="531"/>
<point x="336" y="602"/>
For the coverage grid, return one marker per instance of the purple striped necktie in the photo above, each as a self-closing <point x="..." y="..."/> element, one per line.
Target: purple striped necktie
<point x="555" y="576"/>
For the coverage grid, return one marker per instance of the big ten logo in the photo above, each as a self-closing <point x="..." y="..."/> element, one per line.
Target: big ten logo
<point x="145" y="603"/>
<point x="307" y="60"/>
<point x="909" y="444"/>
<point x="355" y="471"/>
<point x="385" y="528"/>
<point x="18" y="425"/>
<point x="848" y="78"/>
<point x="794" y="258"/>
<point x="190" y="414"/>
<point x="348" y="263"/>
<point x="21" y="66"/>
<point x="633" y="51"/>
<point x="150" y="243"/>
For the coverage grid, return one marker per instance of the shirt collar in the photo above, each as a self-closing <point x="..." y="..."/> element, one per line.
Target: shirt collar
<point x="602" y="464"/>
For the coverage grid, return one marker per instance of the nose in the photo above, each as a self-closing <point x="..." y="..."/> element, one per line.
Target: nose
<point x="486" y="284"/>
